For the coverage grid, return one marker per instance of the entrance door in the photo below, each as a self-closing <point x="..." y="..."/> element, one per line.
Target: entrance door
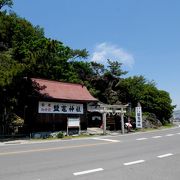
<point x="95" y="119"/>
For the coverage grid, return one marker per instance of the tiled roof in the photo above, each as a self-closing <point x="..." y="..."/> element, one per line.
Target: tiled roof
<point x="63" y="91"/>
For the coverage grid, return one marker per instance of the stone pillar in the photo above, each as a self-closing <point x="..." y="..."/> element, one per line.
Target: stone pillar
<point x="122" y="121"/>
<point x="104" y="123"/>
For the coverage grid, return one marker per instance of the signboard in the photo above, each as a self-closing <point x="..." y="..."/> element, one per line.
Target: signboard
<point x="73" y="122"/>
<point x="138" y="117"/>
<point x="60" y="108"/>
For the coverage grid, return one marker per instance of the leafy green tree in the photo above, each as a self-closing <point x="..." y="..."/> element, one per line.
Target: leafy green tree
<point x="3" y="3"/>
<point x="138" y="89"/>
<point x="97" y="68"/>
<point x="105" y="80"/>
<point x="26" y="52"/>
<point x="8" y="69"/>
<point x="130" y="89"/>
<point x="157" y="102"/>
<point x="115" y="68"/>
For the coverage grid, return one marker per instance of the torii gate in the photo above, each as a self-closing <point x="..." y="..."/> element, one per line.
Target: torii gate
<point x="105" y="109"/>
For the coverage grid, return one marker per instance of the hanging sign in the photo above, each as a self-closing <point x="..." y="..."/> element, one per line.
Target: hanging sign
<point x="60" y="108"/>
<point x="138" y="117"/>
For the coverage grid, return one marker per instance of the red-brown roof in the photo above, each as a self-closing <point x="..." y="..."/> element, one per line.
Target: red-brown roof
<point x="63" y="91"/>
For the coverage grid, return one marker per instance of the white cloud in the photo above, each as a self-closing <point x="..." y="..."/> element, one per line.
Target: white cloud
<point x="104" y="51"/>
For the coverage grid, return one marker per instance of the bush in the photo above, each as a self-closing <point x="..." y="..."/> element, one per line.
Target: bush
<point x="60" y="135"/>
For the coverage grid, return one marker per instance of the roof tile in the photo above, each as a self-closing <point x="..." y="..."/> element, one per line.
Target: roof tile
<point x="63" y="90"/>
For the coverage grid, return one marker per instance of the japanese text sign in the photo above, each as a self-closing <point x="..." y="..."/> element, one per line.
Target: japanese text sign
<point x="60" y="108"/>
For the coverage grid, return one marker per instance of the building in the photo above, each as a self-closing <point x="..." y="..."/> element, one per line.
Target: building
<point x="57" y="102"/>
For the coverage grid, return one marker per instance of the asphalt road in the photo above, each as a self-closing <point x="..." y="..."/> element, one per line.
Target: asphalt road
<point x="144" y="156"/>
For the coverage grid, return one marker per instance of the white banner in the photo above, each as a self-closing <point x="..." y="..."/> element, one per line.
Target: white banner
<point x="138" y="117"/>
<point x="60" y="108"/>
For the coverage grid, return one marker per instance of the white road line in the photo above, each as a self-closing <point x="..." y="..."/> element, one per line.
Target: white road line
<point x="178" y="133"/>
<point x="88" y="171"/>
<point x="134" y="162"/>
<point x="168" y="135"/>
<point x="141" y="139"/>
<point x="156" y="137"/>
<point x="165" y="155"/>
<point x="110" y="140"/>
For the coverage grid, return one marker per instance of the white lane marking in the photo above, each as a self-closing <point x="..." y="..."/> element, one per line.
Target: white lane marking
<point x="141" y="139"/>
<point x="88" y="171"/>
<point x="178" y="133"/>
<point x="110" y="140"/>
<point x="165" y="155"/>
<point x="156" y="137"/>
<point x="168" y="135"/>
<point x="134" y="162"/>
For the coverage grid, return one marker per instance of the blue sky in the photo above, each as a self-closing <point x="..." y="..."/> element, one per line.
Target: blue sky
<point x="142" y="34"/>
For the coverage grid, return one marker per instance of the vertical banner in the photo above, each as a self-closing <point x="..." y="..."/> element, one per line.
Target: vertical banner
<point x="138" y="117"/>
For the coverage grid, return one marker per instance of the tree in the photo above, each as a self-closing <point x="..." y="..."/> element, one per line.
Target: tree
<point x="97" y="68"/>
<point x="138" y="89"/>
<point x="130" y="89"/>
<point x="8" y="3"/>
<point x="26" y="52"/>
<point x="8" y="69"/>
<point x="104" y="81"/>
<point x="115" y="68"/>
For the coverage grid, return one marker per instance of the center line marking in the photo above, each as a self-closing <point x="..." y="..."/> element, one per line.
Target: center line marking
<point x="134" y="162"/>
<point x="109" y="140"/>
<point x="53" y="148"/>
<point x="165" y="155"/>
<point x="88" y="171"/>
<point x="155" y="137"/>
<point x="170" y="135"/>
<point x="141" y="139"/>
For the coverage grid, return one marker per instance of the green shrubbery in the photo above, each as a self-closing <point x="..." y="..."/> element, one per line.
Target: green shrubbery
<point x="60" y="135"/>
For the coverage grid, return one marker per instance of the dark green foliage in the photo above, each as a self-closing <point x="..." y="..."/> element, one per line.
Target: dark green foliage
<point x="115" y="68"/>
<point x="26" y="52"/>
<point x="60" y="135"/>
<point x="3" y="3"/>
<point x="98" y="69"/>
<point x="138" y="89"/>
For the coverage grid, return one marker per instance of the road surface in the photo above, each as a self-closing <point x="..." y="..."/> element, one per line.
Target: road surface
<point x="143" y="156"/>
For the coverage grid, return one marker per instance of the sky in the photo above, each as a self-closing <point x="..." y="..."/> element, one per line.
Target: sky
<point x="144" y="35"/>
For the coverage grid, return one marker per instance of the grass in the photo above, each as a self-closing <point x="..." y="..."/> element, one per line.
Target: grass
<point x="166" y="126"/>
<point x="169" y="125"/>
<point x="64" y="138"/>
